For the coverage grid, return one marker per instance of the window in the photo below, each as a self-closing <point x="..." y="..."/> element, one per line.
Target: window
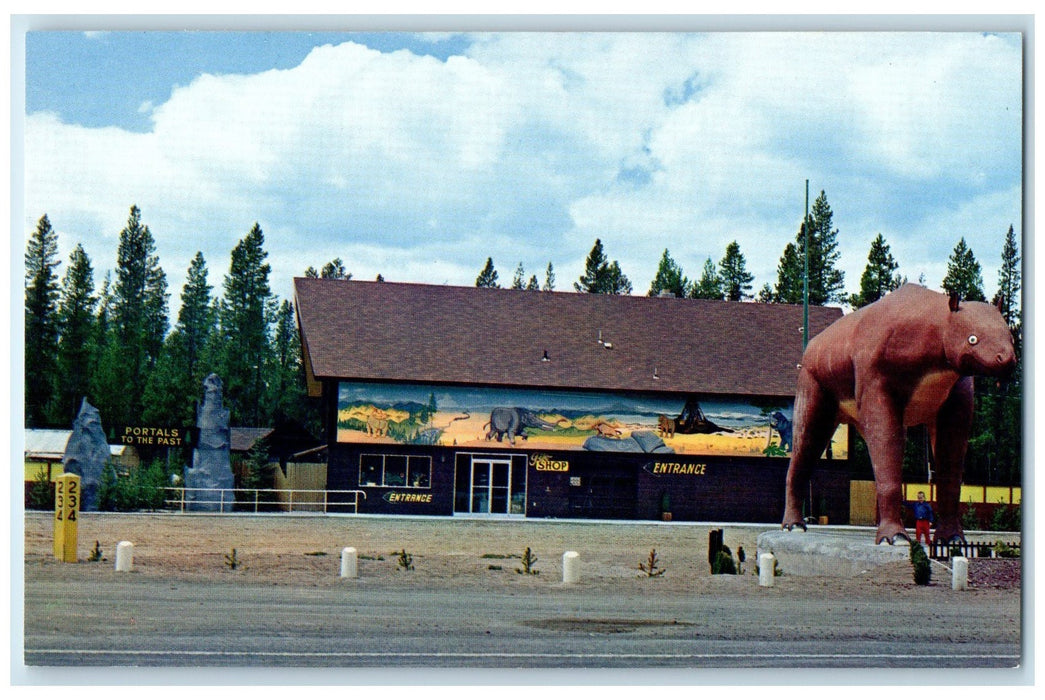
<point x="395" y="470"/>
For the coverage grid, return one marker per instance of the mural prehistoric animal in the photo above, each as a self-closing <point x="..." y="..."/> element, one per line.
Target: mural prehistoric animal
<point x="604" y="429"/>
<point x="780" y="423"/>
<point x="907" y="359"/>
<point x="377" y="424"/>
<point x="510" y="422"/>
<point x="692" y="421"/>
<point x="665" y="426"/>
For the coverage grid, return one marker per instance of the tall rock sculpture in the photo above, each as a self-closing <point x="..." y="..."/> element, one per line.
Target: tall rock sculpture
<point x="211" y="467"/>
<point x="86" y="454"/>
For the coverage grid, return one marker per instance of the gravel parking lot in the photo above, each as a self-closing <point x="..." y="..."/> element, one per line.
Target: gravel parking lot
<point x="464" y="605"/>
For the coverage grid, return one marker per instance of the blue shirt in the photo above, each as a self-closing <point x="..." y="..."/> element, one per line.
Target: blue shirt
<point x="922" y="510"/>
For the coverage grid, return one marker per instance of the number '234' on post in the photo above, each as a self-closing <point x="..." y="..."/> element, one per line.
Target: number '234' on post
<point x="66" y="516"/>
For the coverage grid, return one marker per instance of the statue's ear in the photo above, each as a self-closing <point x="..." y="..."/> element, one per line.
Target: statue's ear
<point x="953" y="302"/>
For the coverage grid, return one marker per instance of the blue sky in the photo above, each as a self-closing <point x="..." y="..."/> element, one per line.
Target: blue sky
<point x="417" y="156"/>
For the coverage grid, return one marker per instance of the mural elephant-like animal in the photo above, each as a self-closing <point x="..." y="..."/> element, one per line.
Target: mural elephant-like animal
<point x="511" y="422"/>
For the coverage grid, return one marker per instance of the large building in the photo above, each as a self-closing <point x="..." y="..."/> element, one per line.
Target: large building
<point x="443" y="400"/>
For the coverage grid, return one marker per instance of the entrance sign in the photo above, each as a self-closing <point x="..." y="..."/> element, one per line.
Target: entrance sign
<point x="66" y="516"/>
<point x="151" y="436"/>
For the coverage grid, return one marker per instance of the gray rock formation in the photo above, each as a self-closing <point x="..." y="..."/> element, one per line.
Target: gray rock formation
<point x="639" y="441"/>
<point x="86" y="454"/>
<point x="211" y="467"/>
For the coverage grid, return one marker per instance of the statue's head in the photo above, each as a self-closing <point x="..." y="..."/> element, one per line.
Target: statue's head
<point x="978" y="341"/>
<point x="212" y="386"/>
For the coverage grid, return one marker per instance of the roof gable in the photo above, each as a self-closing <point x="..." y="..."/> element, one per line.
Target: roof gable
<point x="383" y="331"/>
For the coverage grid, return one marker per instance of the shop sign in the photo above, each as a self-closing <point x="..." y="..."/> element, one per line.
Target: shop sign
<point x="151" y="436"/>
<point x="675" y="468"/>
<point x="544" y="463"/>
<point x="400" y="497"/>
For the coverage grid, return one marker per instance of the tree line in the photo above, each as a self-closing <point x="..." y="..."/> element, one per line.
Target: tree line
<point x="117" y="345"/>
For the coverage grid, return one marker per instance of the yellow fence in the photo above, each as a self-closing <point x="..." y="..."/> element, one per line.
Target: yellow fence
<point x="862" y="497"/>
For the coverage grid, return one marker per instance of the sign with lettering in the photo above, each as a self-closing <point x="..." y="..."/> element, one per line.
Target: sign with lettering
<point x="672" y="468"/>
<point x="544" y="463"/>
<point x="66" y="516"/>
<point x="150" y="436"/>
<point x="400" y="497"/>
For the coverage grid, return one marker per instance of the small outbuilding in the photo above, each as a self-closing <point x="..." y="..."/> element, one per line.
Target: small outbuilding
<point x="447" y="400"/>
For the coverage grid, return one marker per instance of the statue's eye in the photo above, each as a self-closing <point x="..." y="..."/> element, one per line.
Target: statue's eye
<point x="973" y="340"/>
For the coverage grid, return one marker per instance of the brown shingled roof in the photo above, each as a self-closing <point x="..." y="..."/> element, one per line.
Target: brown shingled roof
<point x="388" y="331"/>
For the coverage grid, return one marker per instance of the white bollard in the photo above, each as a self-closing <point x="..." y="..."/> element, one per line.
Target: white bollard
<point x="766" y="567"/>
<point x="960" y="573"/>
<point x="124" y="556"/>
<point x="571" y="567"/>
<point x="349" y="563"/>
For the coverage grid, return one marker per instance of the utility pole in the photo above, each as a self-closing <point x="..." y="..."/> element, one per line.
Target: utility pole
<point x="805" y="274"/>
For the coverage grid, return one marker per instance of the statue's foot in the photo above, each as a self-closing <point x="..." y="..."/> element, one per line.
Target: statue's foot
<point x="792" y="520"/>
<point x="891" y="533"/>
<point x="948" y="533"/>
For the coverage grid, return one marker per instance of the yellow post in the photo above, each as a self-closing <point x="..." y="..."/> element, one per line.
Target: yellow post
<point x="66" y="516"/>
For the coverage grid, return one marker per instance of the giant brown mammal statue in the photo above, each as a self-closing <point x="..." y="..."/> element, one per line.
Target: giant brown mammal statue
<point x="907" y="359"/>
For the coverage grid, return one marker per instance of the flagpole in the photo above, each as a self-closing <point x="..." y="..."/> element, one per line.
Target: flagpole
<point x="805" y="275"/>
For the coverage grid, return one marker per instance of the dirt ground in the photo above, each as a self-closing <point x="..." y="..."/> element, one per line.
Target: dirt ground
<point x="480" y="554"/>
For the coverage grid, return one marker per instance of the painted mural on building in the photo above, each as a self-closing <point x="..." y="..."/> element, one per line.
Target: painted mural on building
<point x="430" y="414"/>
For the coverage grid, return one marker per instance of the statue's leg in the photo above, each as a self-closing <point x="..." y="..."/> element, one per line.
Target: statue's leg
<point x="815" y="421"/>
<point x="881" y="424"/>
<point x="950" y="438"/>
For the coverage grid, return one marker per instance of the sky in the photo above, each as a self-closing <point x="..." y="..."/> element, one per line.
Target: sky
<point x="417" y="156"/>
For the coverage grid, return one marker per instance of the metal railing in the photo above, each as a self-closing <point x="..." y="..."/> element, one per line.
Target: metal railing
<point x="183" y="499"/>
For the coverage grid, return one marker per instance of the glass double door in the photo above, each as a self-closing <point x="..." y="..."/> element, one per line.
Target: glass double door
<point x="490" y="485"/>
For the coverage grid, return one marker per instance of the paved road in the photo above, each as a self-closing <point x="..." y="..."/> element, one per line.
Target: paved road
<point x="150" y="623"/>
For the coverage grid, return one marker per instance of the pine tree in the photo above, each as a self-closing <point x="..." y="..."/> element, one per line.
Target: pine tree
<point x="789" y="276"/>
<point x="601" y="276"/>
<point x="549" y="279"/>
<point x="335" y="270"/>
<point x="286" y="387"/>
<point x="1009" y="280"/>
<point x="77" y="343"/>
<point x="879" y="277"/>
<point x="41" y="321"/>
<point x="669" y="278"/>
<point x="594" y="267"/>
<point x="766" y="295"/>
<point x="736" y="280"/>
<point x="174" y="385"/>
<point x="488" y="276"/>
<point x="245" y="318"/>
<point x="963" y="274"/>
<point x="826" y="282"/>
<point x="533" y="285"/>
<point x="517" y="279"/>
<point x="710" y="284"/>
<point x="138" y="322"/>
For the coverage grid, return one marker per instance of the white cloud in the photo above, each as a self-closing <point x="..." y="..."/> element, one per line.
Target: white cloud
<point x="531" y="145"/>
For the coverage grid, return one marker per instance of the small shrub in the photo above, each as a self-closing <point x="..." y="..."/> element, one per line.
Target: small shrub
<point x="651" y="567"/>
<point x="315" y="554"/>
<point x="724" y="563"/>
<point x="405" y="560"/>
<point x="96" y="553"/>
<point x="920" y="564"/>
<point x="528" y="560"/>
<point x="495" y="567"/>
<point x="41" y="492"/>
<point x="1004" y="551"/>
<point x="970" y="520"/>
<point x="232" y="561"/>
